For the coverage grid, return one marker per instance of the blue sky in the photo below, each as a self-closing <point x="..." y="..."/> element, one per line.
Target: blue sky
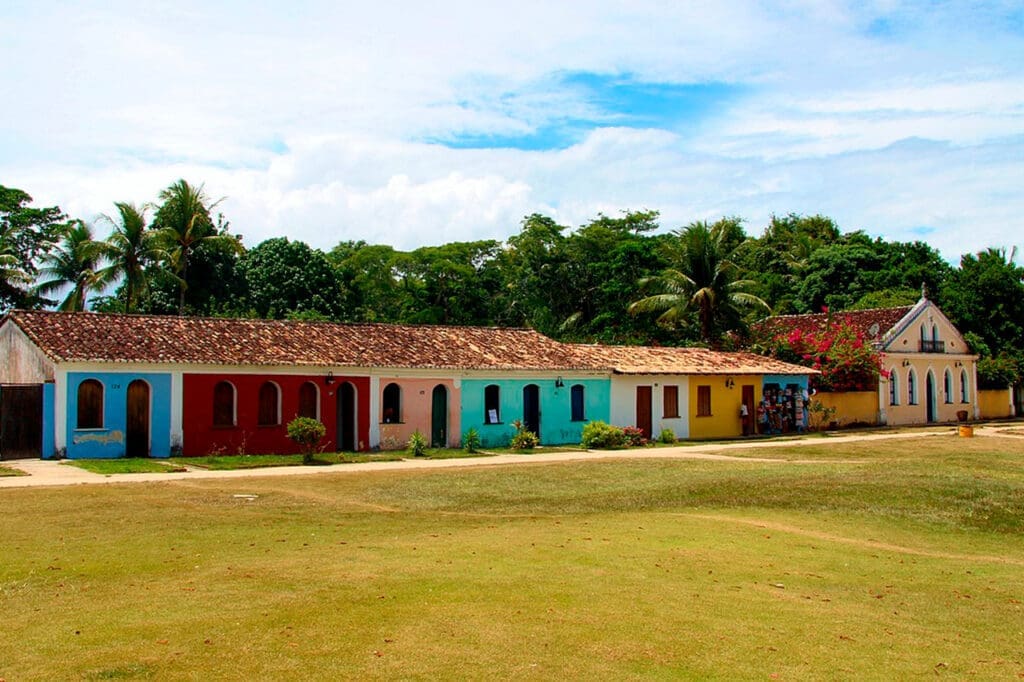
<point x="411" y="124"/>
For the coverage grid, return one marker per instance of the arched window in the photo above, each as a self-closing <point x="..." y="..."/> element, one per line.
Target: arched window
<point x="924" y="333"/>
<point x="90" y="405"/>
<point x="947" y="386"/>
<point x="965" y="391"/>
<point x="935" y="333"/>
<point x="577" y="403"/>
<point x="309" y="401"/>
<point x="270" y="405"/>
<point x="894" y="387"/>
<point x="492" y="404"/>
<point x="391" y="408"/>
<point x="224" y="404"/>
<point x="911" y="387"/>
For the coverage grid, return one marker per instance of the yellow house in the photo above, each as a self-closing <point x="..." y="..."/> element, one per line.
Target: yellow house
<point x="932" y="374"/>
<point x="929" y="372"/>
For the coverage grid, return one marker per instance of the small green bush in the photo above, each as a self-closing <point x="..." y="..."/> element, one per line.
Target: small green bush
<point x="417" y="444"/>
<point x="667" y="436"/>
<point x="600" y="435"/>
<point x="471" y="440"/>
<point x="307" y="434"/>
<point x="524" y="440"/>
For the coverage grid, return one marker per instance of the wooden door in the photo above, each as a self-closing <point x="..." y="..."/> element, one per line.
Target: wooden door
<point x="137" y="421"/>
<point x="21" y="421"/>
<point x="346" y="417"/>
<point x="748" y="401"/>
<point x="531" y="408"/>
<point x="439" y="417"/>
<point x="643" y="410"/>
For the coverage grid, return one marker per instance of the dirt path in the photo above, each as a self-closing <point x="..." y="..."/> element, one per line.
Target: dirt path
<point x="53" y="473"/>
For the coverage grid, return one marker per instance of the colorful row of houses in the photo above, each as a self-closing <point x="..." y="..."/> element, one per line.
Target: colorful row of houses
<point x="88" y="385"/>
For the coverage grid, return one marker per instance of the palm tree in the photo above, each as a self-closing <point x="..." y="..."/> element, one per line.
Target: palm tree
<point x="75" y="261"/>
<point x="130" y="247"/>
<point x="12" y="269"/>
<point x="184" y="224"/>
<point x="704" y="280"/>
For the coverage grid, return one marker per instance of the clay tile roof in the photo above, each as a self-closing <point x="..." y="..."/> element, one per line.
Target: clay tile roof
<point x="873" y="323"/>
<point x="93" y="337"/>
<point x="667" y="360"/>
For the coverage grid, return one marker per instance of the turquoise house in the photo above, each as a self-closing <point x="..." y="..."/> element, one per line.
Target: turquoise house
<point x="556" y="409"/>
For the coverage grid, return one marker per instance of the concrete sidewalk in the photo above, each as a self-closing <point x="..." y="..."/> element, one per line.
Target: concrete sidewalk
<point x="54" y="473"/>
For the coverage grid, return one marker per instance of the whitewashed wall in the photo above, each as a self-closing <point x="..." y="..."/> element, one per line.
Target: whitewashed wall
<point x="623" y="406"/>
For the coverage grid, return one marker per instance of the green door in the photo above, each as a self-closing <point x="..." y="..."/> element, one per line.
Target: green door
<point x="439" y="417"/>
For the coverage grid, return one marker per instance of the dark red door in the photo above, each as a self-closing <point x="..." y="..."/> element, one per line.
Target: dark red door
<point x="643" y="410"/>
<point x="137" y="427"/>
<point x="748" y="402"/>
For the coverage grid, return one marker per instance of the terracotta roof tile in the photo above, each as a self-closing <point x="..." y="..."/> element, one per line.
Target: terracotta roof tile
<point x="93" y="337"/>
<point x="873" y="323"/>
<point x="669" y="360"/>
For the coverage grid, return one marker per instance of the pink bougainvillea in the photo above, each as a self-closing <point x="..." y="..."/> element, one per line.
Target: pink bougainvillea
<point x="837" y="350"/>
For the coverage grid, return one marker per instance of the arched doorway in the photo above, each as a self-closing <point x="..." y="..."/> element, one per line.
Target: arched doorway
<point x="531" y="408"/>
<point x="346" y="417"/>
<point x="929" y="397"/>
<point x="137" y="421"/>
<point x="439" y="417"/>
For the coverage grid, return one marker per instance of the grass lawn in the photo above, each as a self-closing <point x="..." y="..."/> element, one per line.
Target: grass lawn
<point x="126" y="465"/>
<point x="226" y="462"/>
<point x="907" y="563"/>
<point x="8" y="471"/>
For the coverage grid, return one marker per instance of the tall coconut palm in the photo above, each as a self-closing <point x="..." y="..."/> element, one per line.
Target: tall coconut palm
<point x="130" y="248"/>
<point x="704" y="280"/>
<point x="184" y="225"/>
<point x="74" y="262"/>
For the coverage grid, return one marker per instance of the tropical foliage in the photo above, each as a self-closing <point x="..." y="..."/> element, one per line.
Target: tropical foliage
<point x="846" y="360"/>
<point x="703" y="282"/>
<point x="615" y="279"/>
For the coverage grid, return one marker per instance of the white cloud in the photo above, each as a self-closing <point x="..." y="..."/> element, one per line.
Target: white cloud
<point x="311" y="119"/>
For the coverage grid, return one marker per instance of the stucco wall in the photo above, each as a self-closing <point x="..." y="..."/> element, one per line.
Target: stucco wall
<point x="995" y="404"/>
<point x="21" y="362"/>
<point x="852" y="407"/>
<point x="109" y="441"/>
<point x="201" y="437"/>
<point x="725" y="420"/>
<point x="417" y="411"/>
<point x="556" y="424"/>
<point x="623" y="402"/>
<point x="923" y="365"/>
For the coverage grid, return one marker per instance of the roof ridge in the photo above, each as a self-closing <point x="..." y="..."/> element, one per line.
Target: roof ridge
<point x="264" y="320"/>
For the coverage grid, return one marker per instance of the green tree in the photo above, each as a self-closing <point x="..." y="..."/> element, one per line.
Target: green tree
<point x="76" y="263"/>
<point x="131" y="247"/>
<point x="985" y="299"/>
<point x="367" y="274"/>
<point x="186" y="229"/>
<point x="702" y="282"/>
<point x="779" y="259"/>
<point x="288" y="277"/>
<point x="26" y="234"/>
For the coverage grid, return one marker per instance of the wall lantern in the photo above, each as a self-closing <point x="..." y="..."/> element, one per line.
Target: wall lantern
<point x="329" y="379"/>
<point x="729" y="383"/>
<point x="906" y="363"/>
<point x="958" y="364"/>
<point x="559" y="383"/>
